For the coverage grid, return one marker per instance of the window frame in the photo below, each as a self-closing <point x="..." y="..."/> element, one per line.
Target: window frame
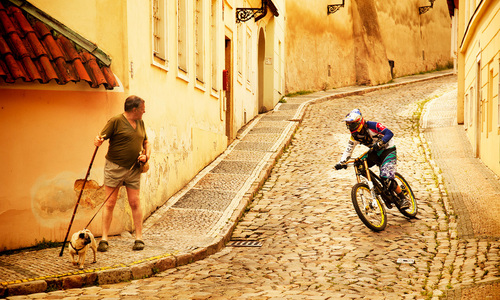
<point x="213" y="47"/>
<point x="159" y="30"/>
<point x="199" y="41"/>
<point x="182" y="37"/>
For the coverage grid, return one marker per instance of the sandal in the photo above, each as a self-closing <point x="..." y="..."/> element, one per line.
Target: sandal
<point x="138" y="245"/>
<point x="103" y="246"/>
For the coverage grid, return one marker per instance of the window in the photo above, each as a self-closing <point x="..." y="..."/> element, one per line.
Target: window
<point x="278" y="56"/>
<point x="182" y="35"/>
<point x="489" y="115"/>
<point x="479" y="96"/>
<point x="466" y="111"/>
<point x="471" y="108"/>
<point x="199" y="39"/>
<point x="213" y="43"/>
<point x="159" y="31"/>
<point x="498" y="94"/>
<point x="249" y="56"/>
<point x="240" y="48"/>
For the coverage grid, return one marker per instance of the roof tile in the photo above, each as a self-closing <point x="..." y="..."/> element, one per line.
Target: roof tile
<point x="18" y="45"/>
<point x="8" y="26"/>
<point x="35" y="44"/>
<point x="31" y="69"/>
<point x="2" y="72"/>
<point x="93" y="68"/>
<point x="21" y="20"/>
<point x="4" y="47"/>
<point x="32" y="51"/>
<point x="45" y="66"/>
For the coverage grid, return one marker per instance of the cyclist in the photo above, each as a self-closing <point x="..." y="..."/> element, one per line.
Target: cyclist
<point x="379" y="138"/>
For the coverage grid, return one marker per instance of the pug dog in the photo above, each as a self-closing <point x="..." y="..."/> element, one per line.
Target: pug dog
<point x="79" y="244"/>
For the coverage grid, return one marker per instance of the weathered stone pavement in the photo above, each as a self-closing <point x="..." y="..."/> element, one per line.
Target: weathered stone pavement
<point x="313" y="244"/>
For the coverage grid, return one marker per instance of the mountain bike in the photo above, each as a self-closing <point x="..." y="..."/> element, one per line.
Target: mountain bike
<point x="370" y="195"/>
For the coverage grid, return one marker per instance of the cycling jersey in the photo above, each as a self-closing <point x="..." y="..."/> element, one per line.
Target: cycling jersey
<point x="374" y="133"/>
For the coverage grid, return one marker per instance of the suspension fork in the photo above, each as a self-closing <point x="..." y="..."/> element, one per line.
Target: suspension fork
<point x="370" y="182"/>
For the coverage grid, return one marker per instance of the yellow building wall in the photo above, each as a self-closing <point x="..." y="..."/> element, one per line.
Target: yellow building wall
<point x="479" y="60"/>
<point x="318" y="48"/>
<point x="97" y="21"/>
<point x="354" y="45"/>
<point x="183" y="123"/>
<point x="416" y="42"/>
<point x="54" y="126"/>
<point x="49" y="132"/>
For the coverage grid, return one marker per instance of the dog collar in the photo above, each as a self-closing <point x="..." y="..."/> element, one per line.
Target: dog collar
<point x="77" y="250"/>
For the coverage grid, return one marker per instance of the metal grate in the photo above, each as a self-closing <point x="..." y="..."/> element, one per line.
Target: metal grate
<point x="245" y="244"/>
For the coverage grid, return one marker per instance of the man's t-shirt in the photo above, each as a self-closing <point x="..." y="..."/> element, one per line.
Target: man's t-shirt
<point x="125" y="142"/>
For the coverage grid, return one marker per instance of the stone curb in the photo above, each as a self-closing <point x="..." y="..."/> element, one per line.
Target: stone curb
<point x="157" y="265"/>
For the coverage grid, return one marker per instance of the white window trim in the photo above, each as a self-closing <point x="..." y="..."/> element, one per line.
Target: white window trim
<point x="156" y="60"/>
<point x="214" y="38"/>
<point x="183" y="69"/>
<point x="183" y="75"/>
<point x="498" y="96"/>
<point x="248" y="56"/>
<point x="199" y="29"/>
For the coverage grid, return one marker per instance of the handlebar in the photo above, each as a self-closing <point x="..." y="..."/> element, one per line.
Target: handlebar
<point x="352" y="161"/>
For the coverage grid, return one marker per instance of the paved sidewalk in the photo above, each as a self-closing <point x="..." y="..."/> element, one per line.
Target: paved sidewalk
<point x="194" y="223"/>
<point x="472" y="188"/>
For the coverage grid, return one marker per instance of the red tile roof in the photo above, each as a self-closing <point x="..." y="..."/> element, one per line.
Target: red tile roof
<point x="32" y="51"/>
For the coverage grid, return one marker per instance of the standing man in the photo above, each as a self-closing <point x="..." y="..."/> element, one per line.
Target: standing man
<point x="127" y="140"/>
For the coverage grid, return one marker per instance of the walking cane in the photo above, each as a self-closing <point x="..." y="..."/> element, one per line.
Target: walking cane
<point x="107" y="198"/>
<point x="78" y="201"/>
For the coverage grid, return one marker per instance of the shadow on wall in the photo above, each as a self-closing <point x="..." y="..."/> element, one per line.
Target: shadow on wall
<point x="371" y="61"/>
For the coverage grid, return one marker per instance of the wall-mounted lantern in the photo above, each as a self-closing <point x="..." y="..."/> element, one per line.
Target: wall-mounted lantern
<point x="245" y="14"/>
<point x="332" y="8"/>
<point x="423" y="9"/>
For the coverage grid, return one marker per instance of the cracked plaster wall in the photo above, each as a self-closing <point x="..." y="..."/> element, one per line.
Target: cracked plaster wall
<point x="354" y="45"/>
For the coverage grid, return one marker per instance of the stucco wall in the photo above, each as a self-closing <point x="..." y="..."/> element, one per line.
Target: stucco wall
<point x="98" y="22"/>
<point x="319" y="49"/>
<point x="54" y="126"/>
<point x="479" y="64"/>
<point x="353" y="45"/>
<point x="183" y="123"/>
<point x="48" y="146"/>
<point x="415" y="42"/>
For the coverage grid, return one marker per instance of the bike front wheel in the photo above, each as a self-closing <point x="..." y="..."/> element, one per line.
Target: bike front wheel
<point x="369" y="209"/>
<point x="410" y="212"/>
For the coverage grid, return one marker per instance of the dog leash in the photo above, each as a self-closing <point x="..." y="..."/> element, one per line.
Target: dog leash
<point x="107" y="198"/>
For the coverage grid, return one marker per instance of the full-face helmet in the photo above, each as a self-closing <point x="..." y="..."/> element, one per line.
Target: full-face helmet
<point x="354" y="121"/>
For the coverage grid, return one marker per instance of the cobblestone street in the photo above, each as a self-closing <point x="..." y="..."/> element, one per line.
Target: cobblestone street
<point x="314" y="246"/>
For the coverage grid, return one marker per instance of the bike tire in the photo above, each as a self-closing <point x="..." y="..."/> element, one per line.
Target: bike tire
<point x="410" y="212"/>
<point x="370" y="211"/>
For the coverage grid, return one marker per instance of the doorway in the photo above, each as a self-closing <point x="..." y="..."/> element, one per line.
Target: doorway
<point x="260" y="63"/>
<point x="479" y="108"/>
<point x="227" y="87"/>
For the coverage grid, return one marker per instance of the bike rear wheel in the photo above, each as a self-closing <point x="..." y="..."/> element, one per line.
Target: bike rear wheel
<point x="370" y="210"/>
<point x="410" y="212"/>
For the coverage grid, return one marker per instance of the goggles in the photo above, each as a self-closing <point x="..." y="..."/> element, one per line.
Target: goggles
<point x="353" y="126"/>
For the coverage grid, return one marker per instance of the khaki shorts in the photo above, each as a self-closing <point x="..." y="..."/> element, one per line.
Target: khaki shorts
<point x="114" y="174"/>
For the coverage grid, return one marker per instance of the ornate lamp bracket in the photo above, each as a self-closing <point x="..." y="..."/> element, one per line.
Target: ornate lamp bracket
<point x="423" y="9"/>
<point x="245" y="14"/>
<point x="332" y="8"/>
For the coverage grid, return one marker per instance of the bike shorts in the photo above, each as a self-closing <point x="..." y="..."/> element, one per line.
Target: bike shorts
<point x="386" y="160"/>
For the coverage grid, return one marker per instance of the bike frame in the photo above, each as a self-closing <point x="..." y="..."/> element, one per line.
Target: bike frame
<point x="374" y="181"/>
